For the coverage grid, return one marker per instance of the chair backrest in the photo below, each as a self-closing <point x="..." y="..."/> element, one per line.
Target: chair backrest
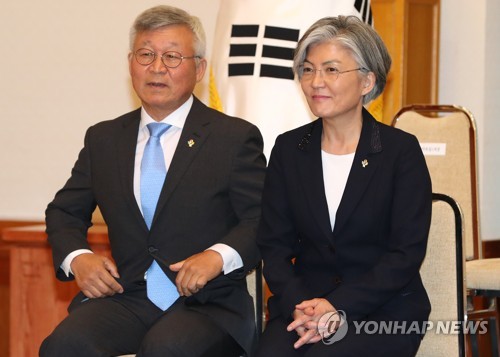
<point x="443" y="276"/>
<point x="447" y="135"/>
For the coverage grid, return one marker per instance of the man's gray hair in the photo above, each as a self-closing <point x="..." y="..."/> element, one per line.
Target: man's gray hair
<point x="164" y="15"/>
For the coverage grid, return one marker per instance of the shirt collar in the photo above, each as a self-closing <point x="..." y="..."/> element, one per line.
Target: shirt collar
<point x="176" y="119"/>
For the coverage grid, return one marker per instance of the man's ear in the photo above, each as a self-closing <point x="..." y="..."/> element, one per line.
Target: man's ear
<point x="200" y="69"/>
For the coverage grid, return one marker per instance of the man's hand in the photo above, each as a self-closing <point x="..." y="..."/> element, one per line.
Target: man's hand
<point x="196" y="271"/>
<point x="306" y="316"/>
<point x="95" y="275"/>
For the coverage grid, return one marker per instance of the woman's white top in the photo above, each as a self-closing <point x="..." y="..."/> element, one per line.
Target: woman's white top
<point x="336" y="170"/>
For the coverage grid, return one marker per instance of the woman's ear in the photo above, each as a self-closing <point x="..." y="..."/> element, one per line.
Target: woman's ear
<point x="368" y="83"/>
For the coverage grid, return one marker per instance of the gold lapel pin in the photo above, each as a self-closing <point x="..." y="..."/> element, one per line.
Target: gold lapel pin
<point x="364" y="163"/>
<point x="190" y="143"/>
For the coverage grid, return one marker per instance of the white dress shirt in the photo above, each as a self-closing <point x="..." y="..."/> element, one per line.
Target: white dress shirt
<point x="169" y="140"/>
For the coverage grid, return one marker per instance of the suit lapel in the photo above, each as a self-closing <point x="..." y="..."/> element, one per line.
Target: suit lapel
<point x="126" y="161"/>
<point x="196" y="130"/>
<point x="365" y="164"/>
<point x="311" y="175"/>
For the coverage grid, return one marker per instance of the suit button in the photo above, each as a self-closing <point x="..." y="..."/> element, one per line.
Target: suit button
<point x="152" y="249"/>
<point x="332" y="249"/>
<point x="337" y="280"/>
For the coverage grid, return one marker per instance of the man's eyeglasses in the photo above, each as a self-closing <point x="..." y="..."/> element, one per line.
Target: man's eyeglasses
<point x="331" y="73"/>
<point x="171" y="59"/>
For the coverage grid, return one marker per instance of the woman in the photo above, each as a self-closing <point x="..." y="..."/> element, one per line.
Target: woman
<point x="346" y="210"/>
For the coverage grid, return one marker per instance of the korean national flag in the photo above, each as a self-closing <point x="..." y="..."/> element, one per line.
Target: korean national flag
<point x="251" y="67"/>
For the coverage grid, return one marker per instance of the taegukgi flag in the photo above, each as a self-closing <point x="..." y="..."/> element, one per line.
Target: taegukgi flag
<point x="251" y="68"/>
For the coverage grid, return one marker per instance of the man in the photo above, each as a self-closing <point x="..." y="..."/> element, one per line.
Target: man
<point x="199" y="231"/>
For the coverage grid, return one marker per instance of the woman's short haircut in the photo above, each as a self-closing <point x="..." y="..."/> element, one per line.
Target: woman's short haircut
<point x="359" y="38"/>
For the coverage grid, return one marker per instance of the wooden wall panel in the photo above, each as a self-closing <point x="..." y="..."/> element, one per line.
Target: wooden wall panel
<point x="385" y="14"/>
<point x="410" y="30"/>
<point x="40" y="307"/>
<point x="4" y="302"/>
<point x="37" y="301"/>
<point x="421" y="59"/>
<point x="4" y="286"/>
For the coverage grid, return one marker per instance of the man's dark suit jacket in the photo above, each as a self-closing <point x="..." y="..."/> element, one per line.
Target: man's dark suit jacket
<point x="371" y="260"/>
<point x="212" y="194"/>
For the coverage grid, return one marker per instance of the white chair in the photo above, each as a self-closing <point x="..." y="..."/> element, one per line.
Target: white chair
<point x="443" y="276"/>
<point x="447" y="134"/>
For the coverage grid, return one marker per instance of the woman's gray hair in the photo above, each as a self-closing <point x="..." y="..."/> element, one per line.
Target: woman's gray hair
<point x="164" y="15"/>
<point x="359" y="38"/>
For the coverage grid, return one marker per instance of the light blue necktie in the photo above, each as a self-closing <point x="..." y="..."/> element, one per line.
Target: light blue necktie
<point x="160" y="289"/>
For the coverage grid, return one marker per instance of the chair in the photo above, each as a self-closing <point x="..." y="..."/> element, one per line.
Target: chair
<point x="254" y="282"/>
<point x="447" y="135"/>
<point x="444" y="255"/>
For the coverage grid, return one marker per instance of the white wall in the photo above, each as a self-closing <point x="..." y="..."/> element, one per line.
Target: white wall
<point x="470" y="76"/>
<point x="63" y="67"/>
<point x="489" y="150"/>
